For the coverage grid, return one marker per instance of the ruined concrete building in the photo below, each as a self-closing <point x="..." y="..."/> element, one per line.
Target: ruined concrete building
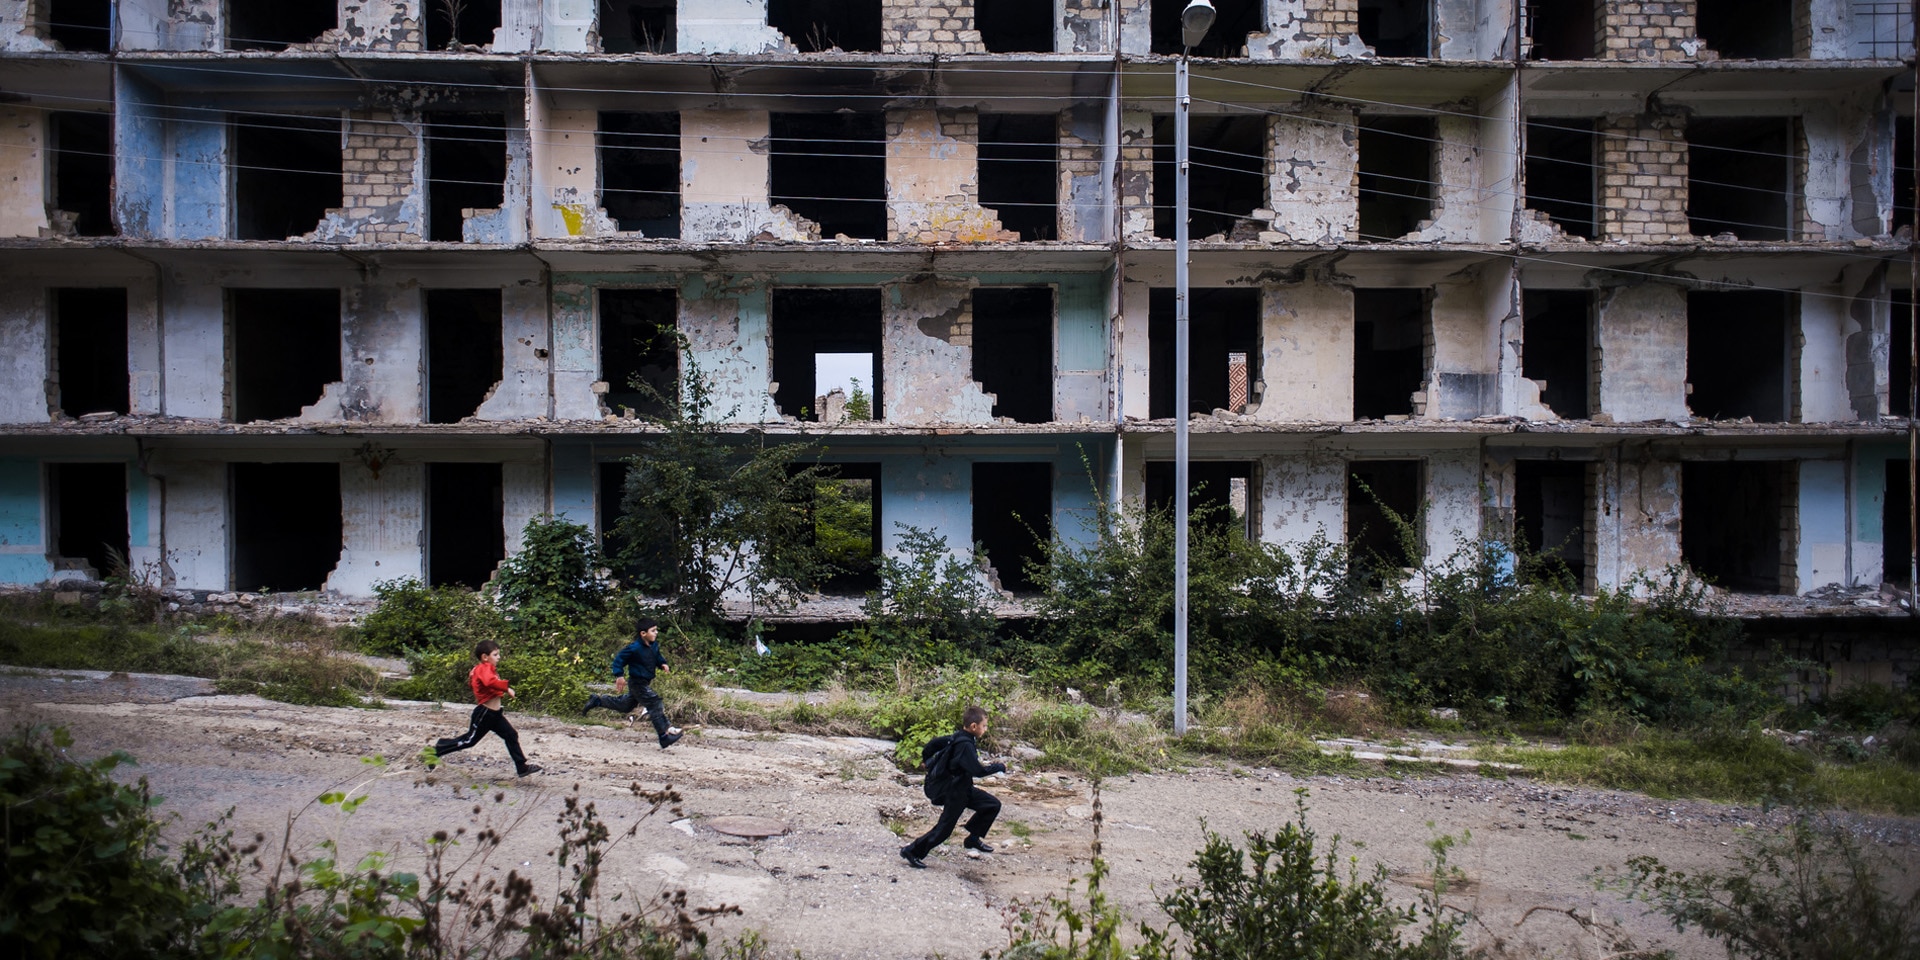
<point x="311" y="294"/>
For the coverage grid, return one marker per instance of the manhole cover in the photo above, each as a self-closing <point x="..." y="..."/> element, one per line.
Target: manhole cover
<point x="758" y="828"/>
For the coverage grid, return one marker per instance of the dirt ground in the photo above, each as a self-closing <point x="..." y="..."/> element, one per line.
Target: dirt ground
<point x="834" y="885"/>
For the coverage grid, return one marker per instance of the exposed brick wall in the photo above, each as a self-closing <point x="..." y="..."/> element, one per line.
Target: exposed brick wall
<point x="929" y="26"/>
<point x="1309" y="28"/>
<point x="1136" y="176"/>
<point x="378" y="170"/>
<point x="1647" y="29"/>
<point x="1643" y="177"/>
<point x="1083" y="215"/>
<point x="933" y="179"/>
<point x="1086" y="23"/>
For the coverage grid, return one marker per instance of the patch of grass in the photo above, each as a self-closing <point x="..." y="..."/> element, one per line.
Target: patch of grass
<point x="1725" y="766"/>
<point x="1019" y="828"/>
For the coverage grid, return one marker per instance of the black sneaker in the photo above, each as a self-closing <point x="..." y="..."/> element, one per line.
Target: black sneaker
<point x="528" y="770"/>
<point x="906" y="853"/>
<point x="588" y="707"/>
<point x="975" y="843"/>
<point x="670" y="739"/>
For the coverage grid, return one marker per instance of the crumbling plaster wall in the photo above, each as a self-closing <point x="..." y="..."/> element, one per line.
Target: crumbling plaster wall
<point x="24" y="363"/>
<point x="1835" y="323"/>
<point x="23" y="180"/>
<point x="384" y="26"/>
<point x="506" y="223"/>
<point x="26" y="327"/>
<point x="383" y="171"/>
<point x="576" y="348"/>
<point x="1466" y="350"/>
<point x="171" y="25"/>
<point x="727" y="26"/>
<point x="566" y="180"/>
<point x="569" y="26"/>
<point x="525" y="352"/>
<point x="1314" y="191"/>
<point x="1133" y="352"/>
<point x="1084" y="26"/>
<point x="170" y="168"/>
<point x="1136" y="175"/>
<point x="1309" y="29"/>
<point x="933" y="179"/>
<point x="1303" y="494"/>
<point x="1642" y="332"/>
<point x="1847" y="187"/>
<point x="382" y="525"/>
<point x="1085" y="215"/>
<point x="382" y="355"/>
<point x="17" y="31"/>
<point x="193" y="518"/>
<point x="1452" y="502"/>
<point x="1638" y="516"/>
<point x="1459" y="190"/>
<point x="927" y="353"/>
<point x="726" y="320"/>
<point x="523" y="496"/>
<point x="725" y="180"/>
<point x="1825" y="555"/>
<point x="1306" y="351"/>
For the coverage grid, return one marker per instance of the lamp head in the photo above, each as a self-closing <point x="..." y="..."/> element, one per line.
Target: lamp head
<point x="1195" y="21"/>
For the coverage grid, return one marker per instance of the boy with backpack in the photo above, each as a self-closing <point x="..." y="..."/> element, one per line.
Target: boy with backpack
<point x="953" y="761"/>
<point x="489" y="712"/>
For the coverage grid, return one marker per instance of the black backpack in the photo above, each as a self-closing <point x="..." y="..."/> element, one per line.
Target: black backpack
<point x="934" y="757"/>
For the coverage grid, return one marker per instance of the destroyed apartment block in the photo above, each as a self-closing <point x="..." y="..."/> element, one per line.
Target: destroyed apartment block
<point x="1511" y="270"/>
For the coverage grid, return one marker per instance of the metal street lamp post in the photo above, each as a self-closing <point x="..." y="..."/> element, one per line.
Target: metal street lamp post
<point x="1194" y="22"/>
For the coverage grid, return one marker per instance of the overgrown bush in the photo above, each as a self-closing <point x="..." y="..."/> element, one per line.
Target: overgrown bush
<point x="1813" y="892"/>
<point x="413" y="616"/>
<point x="558" y="576"/>
<point x="931" y="605"/>
<point x="929" y="711"/>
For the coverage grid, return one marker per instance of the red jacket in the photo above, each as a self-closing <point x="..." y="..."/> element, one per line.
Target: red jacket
<point x="486" y="682"/>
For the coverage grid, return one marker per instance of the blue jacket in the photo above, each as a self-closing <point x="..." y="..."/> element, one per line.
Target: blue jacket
<point x="638" y="660"/>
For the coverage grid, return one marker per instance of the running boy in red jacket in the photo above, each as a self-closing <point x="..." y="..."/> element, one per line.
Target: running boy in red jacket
<point x="490" y="714"/>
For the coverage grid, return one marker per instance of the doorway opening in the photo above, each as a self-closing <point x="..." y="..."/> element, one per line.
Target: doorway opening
<point x="1223" y="350"/>
<point x="808" y="322"/>
<point x="1734" y="523"/>
<point x="286" y="349"/>
<point x="1012" y="520"/>
<point x="1557" y="349"/>
<point x="1013" y="350"/>
<point x="1018" y="172"/>
<point x="89" y="513"/>
<point x="1391" y="330"/>
<point x="90" y="350"/>
<point x="1553" y="517"/>
<point x="286" y="176"/>
<point x="466" y="538"/>
<point x="1738" y="350"/>
<point x="286" y="525"/>
<point x="464" y="351"/>
<point x="640" y="351"/>
<point x="466" y="170"/>
<point x="1384" y="515"/>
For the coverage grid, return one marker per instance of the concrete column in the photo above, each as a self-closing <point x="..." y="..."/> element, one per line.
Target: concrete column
<point x="1306" y="355"/>
<point x="1643" y="352"/>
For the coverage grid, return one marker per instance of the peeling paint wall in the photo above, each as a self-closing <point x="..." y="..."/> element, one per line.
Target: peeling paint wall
<point x="1306" y="352"/>
<point x="194" y="518"/>
<point x="1643" y="352"/>
<point x="525" y="352"/>
<point x="927" y="358"/>
<point x="17" y="31"/>
<point x="1848" y="30"/>
<point x="727" y="326"/>
<point x="24" y="362"/>
<point x="23" y="551"/>
<point x="523" y="497"/>
<point x="1133" y="352"/>
<point x="1825" y="539"/>
<point x="383" y="355"/>
<point x="23" y="176"/>
<point x="1831" y="332"/>
<point x="1453" y="507"/>
<point x="567" y="178"/>
<point x="1085" y="216"/>
<point x="382" y="525"/>
<point x="576" y="349"/>
<point x="1473" y="29"/>
<point x="383" y="169"/>
<point x="1466" y="351"/>
<point x="143" y="344"/>
<point x="1310" y="29"/>
<point x="1303" y="496"/>
<point x="1085" y="26"/>
<point x="1843" y="193"/>
<point x="933" y="179"/>
<point x="1458" y="192"/>
<point x="194" y="345"/>
<point x="727" y="26"/>
<point x="1315" y="187"/>
<point x="174" y="25"/>
<point x="725" y="180"/>
<point x="1080" y="390"/>
<point x="569" y="26"/>
<point x="1136" y="175"/>
<point x="385" y="26"/>
<point x="1638" y="523"/>
<point x="506" y="223"/>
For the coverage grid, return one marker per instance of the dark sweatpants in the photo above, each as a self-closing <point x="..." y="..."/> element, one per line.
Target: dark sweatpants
<point x="635" y="697"/>
<point x="985" y="807"/>
<point x="485" y="721"/>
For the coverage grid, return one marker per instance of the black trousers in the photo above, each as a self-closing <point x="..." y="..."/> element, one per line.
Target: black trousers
<point x="985" y="807"/>
<point x="485" y="721"/>
<point x="636" y="696"/>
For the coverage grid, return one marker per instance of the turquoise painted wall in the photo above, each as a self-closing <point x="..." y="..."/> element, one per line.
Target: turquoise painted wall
<point x="23" y="551"/>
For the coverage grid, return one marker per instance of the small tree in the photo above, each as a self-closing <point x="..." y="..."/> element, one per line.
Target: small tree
<point x="859" y="404"/>
<point x="929" y="598"/>
<point x="705" y="512"/>
<point x="557" y="575"/>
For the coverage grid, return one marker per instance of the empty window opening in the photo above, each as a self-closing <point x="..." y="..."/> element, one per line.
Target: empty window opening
<point x="81" y="25"/>
<point x="1561" y="29"/>
<point x="286" y="525"/>
<point x="82" y="169"/>
<point x="640" y="351"/>
<point x="1018" y="172"/>
<point x="641" y="551"/>
<point x="252" y="25"/>
<point x="1014" y="26"/>
<point x="845" y="510"/>
<point x="1383" y="513"/>
<point x="1013" y="519"/>
<point x="90" y="350"/>
<point x="1396" y="175"/>
<point x="466" y="170"/>
<point x="1896" y="533"/>
<point x="1737" y="354"/>
<point x="89" y="513"/>
<point x="286" y="177"/>
<point x="1390" y="333"/>
<point x="1747" y="29"/>
<point x="1217" y="493"/>
<point x="454" y="23"/>
<point x="1903" y="197"/>
<point x="817" y="26"/>
<point x="466" y="536"/>
<point x="809" y="322"/>
<point x="832" y="169"/>
<point x="464" y="352"/>
<point x="1740" y="177"/>
<point x="646" y="26"/>
<point x="286" y="349"/>
<point x="640" y="171"/>
<point x="1551" y="516"/>
<point x="1225" y="322"/>
<point x="1561" y="167"/>
<point x="1228" y="179"/>
<point x="1557" y="349"/>
<point x="1013" y="350"/>
<point x="1731" y="517"/>
<point x="1233" y="21"/>
<point x="1395" y="28"/>
<point x="1900" y="355"/>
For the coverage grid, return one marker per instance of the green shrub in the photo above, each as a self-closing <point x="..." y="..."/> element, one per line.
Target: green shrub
<point x="913" y="719"/>
<point x="556" y="577"/>
<point x="931" y="606"/>
<point x="1810" y="893"/>
<point x="413" y="616"/>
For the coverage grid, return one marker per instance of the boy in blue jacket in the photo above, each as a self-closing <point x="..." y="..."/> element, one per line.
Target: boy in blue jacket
<point x="638" y="660"/>
<point x="958" y="765"/>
